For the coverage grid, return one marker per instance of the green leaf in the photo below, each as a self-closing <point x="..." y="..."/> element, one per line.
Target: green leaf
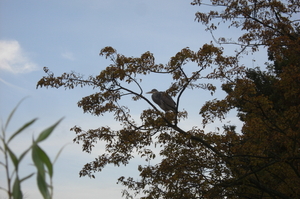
<point x="24" y="153"/>
<point x="11" y="114"/>
<point x="26" y="177"/>
<point x="43" y="157"/>
<point x="43" y="187"/>
<point x="37" y="160"/>
<point x="21" y="129"/>
<point x="44" y="134"/>
<point x="13" y="157"/>
<point x="17" y="193"/>
<point x="59" y="152"/>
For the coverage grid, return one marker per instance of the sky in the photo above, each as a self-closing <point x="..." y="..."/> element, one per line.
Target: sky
<point x="67" y="36"/>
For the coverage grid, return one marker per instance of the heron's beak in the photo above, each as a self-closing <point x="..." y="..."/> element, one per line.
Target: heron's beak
<point x="149" y="92"/>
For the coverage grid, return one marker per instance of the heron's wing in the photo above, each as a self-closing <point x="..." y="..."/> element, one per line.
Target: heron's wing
<point x="168" y="99"/>
<point x="168" y="102"/>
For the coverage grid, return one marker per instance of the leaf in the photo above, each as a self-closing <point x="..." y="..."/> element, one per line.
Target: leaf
<point x="57" y="155"/>
<point x="24" y="153"/>
<point x="26" y="177"/>
<point x="44" y="134"/>
<point x="21" y="129"/>
<point x="13" y="157"/>
<point x="45" y="160"/>
<point x="40" y="158"/>
<point x="37" y="160"/>
<point x="11" y="114"/>
<point x="43" y="187"/>
<point x="17" y="193"/>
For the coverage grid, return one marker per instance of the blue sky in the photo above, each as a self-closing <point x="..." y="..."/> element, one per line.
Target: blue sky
<point x="67" y="36"/>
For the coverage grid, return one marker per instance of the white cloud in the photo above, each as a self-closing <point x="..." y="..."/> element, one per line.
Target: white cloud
<point x="68" y="55"/>
<point x="11" y="85"/>
<point x="13" y="59"/>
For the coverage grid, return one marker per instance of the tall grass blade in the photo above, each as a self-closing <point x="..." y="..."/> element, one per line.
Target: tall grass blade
<point x="21" y="129"/>
<point x="11" y="114"/>
<point x="44" y="134"/>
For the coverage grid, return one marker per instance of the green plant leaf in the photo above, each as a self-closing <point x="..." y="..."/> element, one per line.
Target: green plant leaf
<point x="41" y="160"/>
<point x="45" y="160"/>
<point x="17" y="193"/>
<point x="26" y="177"/>
<point x="44" y="134"/>
<point x="13" y="157"/>
<point x="59" y="152"/>
<point x="11" y="114"/>
<point x="43" y="187"/>
<point x="21" y="129"/>
<point x="37" y="160"/>
<point x="24" y="153"/>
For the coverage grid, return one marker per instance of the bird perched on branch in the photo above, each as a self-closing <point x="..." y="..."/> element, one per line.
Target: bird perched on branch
<point x="163" y="100"/>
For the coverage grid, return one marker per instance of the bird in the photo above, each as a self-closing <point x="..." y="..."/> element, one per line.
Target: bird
<point x="163" y="100"/>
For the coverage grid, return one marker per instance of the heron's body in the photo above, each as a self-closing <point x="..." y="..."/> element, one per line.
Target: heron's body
<point x="163" y="100"/>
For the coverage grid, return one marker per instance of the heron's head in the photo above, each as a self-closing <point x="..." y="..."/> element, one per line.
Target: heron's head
<point x="152" y="91"/>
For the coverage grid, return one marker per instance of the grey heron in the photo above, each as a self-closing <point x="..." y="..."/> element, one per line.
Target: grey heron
<point x="163" y="100"/>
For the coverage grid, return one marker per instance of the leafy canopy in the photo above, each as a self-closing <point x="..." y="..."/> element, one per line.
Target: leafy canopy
<point x="261" y="161"/>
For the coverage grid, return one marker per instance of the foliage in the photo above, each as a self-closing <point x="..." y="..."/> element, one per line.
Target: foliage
<point x="261" y="161"/>
<point x="40" y="159"/>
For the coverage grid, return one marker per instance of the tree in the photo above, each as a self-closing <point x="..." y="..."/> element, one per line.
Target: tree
<point x="261" y="161"/>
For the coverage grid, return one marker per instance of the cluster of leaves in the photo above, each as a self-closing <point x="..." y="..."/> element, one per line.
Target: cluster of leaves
<point x="41" y="161"/>
<point x="261" y="161"/>
<point x="113" y="85"/>
<point x="266" y="154"/>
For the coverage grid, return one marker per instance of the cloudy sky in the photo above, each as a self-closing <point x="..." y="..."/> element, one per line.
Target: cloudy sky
<point x="67" y="36"/>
